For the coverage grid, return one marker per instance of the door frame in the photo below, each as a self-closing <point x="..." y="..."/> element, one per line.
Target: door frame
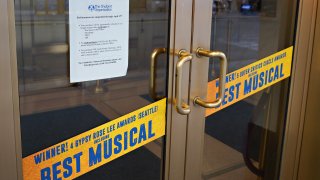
<point x="10" y="157"/>
<point x="176" y="130"/>
<point x="305" y="32"/>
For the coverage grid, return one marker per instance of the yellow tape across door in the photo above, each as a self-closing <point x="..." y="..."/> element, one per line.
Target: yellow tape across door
<point x="96" y="147"/>
<point x="251" y="79"/>
<point x="89" y="150"/>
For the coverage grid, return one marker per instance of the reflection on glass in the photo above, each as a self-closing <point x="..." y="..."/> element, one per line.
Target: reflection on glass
<point x="244" y="140"/>
<point x="52" y="109"/>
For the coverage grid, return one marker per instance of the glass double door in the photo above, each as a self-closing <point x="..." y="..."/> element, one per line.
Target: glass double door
<point x="242" y="141"/>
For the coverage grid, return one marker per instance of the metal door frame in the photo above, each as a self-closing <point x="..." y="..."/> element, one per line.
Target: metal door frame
<point x="305" y="32"/>
<point x="180" y="39"/>
<point x="309" y="158"/>
<point x="10" y="156"/>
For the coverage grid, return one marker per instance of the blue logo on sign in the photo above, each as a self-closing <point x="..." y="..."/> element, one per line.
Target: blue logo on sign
<point x="102" y="7"/>
<point x="91" y="7"/>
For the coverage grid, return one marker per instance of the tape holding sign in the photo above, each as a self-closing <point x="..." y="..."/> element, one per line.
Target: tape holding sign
<point x="251" y="79"/>
<point x="96" y="147"/>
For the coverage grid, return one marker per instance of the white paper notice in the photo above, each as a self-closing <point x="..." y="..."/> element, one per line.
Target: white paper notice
<point x="99" y="39"/>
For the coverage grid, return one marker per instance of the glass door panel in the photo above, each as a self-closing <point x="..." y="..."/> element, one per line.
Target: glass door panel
<point x="53" y="109"/>
<point x="244" y="140"/>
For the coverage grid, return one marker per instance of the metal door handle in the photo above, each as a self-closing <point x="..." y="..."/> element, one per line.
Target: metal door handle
<point x="182" y="107"/>
<point x="222" y="78"/>
<point x="153" y="74"/>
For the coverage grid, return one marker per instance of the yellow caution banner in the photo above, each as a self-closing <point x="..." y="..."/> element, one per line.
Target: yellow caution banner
<point x="251" y="79"/>
<point x="89" y="150"/>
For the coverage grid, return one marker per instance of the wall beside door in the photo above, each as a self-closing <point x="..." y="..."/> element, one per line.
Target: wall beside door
<point x="310" y="149"/>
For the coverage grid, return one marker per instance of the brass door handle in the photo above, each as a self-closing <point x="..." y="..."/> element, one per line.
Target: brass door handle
<point x="153" y="74"/>
<point x="182" y="107"/>
<point x="222" y="78"/>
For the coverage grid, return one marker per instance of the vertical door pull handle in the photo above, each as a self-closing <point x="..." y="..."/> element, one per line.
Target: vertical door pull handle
<point x="182" y="107"/>
<point x="222" y="78"/>
<point x="153" y="73"/>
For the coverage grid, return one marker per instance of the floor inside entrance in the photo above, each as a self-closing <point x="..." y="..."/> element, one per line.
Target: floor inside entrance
<point x="221" y="161"/>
